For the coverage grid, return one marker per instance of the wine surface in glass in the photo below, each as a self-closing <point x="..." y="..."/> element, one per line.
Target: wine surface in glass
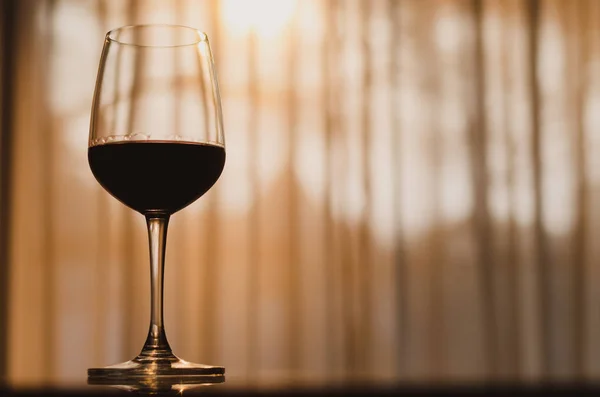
<point x="156" y="176"/>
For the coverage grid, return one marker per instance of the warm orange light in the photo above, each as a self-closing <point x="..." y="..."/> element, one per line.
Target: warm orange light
<point x="266" y="17"/>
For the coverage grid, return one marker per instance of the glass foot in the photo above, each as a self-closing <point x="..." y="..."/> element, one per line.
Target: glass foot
<point x="156" y="379"/>
<point x="173" y="368"/>
<point x="170" y="378"/>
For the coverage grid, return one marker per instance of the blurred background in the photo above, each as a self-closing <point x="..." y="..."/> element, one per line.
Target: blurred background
<point x="412" y="192"/>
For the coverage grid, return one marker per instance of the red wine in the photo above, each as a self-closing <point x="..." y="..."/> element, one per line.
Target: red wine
<point x="156" y="176"/>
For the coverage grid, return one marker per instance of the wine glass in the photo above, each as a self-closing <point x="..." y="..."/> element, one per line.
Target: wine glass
<point x="156" y="144"/>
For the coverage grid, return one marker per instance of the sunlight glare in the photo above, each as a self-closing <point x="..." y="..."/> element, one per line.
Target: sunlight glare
<point x="266" y="17"/>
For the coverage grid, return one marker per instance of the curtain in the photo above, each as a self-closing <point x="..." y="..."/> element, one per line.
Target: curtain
<point x="411" y="193"/>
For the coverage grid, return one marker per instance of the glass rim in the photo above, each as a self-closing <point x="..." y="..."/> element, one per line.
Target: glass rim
<point x="200" y="35"/>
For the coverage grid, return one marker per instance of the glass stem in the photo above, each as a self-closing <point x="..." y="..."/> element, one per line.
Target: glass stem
<point x="156" y="348"/>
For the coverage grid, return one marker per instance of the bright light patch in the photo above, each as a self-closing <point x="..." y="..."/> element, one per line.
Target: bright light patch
<point x="266" y="17"/>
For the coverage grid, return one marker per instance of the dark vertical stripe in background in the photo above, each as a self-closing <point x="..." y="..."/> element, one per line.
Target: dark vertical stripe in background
<point x="49" y="164"/>
<point x="400" y="274"/>
<point x="347" y="247"/>
<point x="294" y="308"/>
<point x="328" y="45"/>
<point x="365" y="268"/>
<point x="579" y="23"/>
<point x="512" y="259"/>
<point x="480" y="183"/>
<point x="8" y="21"/>
<point x="533" y="15"/>
<point x="433" y="258"/>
